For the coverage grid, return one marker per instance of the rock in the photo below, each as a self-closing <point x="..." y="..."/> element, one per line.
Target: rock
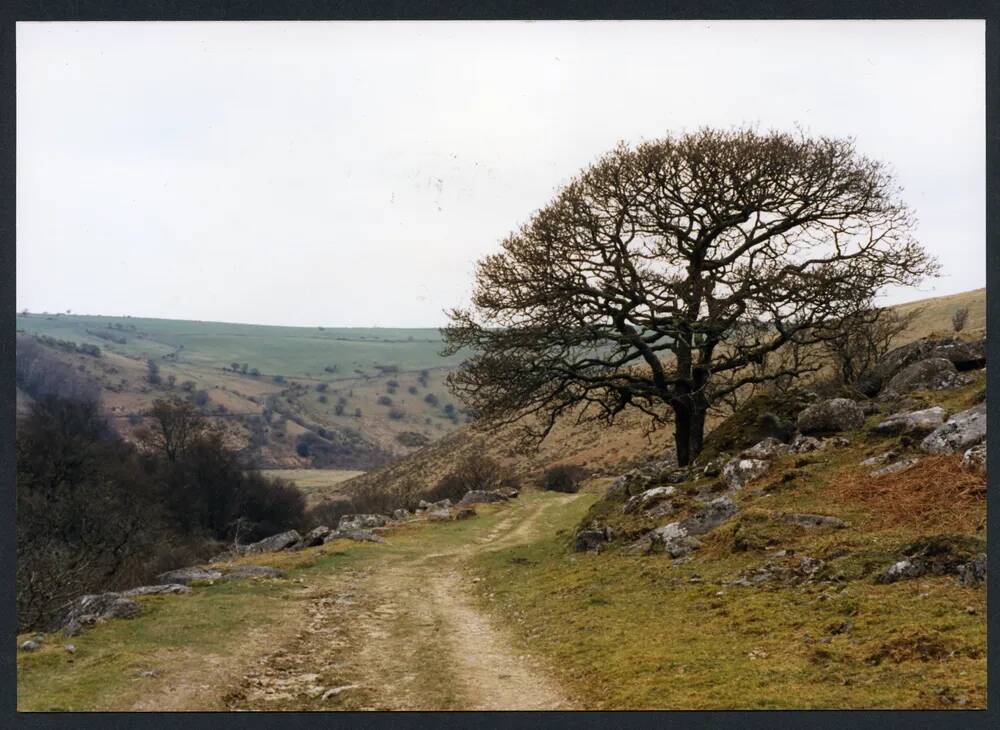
<point x="92" y="609"/>
<point x="70" y="648"/>
<point x="424" y="504"/>
<point x="974" y="459"/>
<point x="186" y="576"/>
<point x="508" y="492"/>
<point x="672" y="539"/>
<point x="157" y="590"/>
<point x="956" y="555"/>
<point x="960" y="432"/>
<point x="714" y="467"/>
<point x="838" y="442"/>
<point x="590" y="537"/>
<point x="356" y="535"/>
<point x="895" y="467"/>
<point x="362" y="522"/>
<point x="936" y="373"/>
<point x="401" y="514"/>
<point x="962" y="354"/>
<point x="831" y="416"/>
<point x="804" y="444"/>
<point x="274" y="543"/>
<point x="30" y="645"/>
<point x="869" y="407"/>
<point x="481" y="496"/>
<point x="973" y="573"/>
<point x="647" y="499"/>
<point x="769" y="448"/>
<point x="738" y="472"/>
<point x="807" y="519"/>
<point x="464" y="513"/>
<point x="241" y="572"/>
<point x="880" y="459"/>
<point x="315" y="536"/>
<point x="715" y="513"/>
<point x="438" y="515"/>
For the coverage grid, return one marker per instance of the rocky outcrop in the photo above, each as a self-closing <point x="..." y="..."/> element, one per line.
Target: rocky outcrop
<point x="356" y="535"/>
<point x="738" y="472"/>
<point x="186" y="576"/>
<point x="647" y="499"/>
<point x="960" y="432"/>
<point x="963" y="355"/>
<point x="934" y="373"/>
<point x="401" y="514"/>
<point x="281" y="541"/>
<point x="156" y="590"/>
<point x="831" y="416"/>
<point x="91" y="609"/>
<point x="956" y="555"/>
<point x="804" y="444"/>
<point x="915" y="423"/>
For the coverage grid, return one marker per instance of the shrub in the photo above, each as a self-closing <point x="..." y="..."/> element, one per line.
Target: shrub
<point x="412" y="390"/>
<point x="384" y="400"/>
<point x="322" y="399"/>
<point x="397" y="414"/>
<point x="431" y="399"/>
<point x="562" y="478"/>
<point x="357" y="413"/>
<point x="152" y="372"/>
<point x="201" y="397"/>
<point x="279" y="379"/>
<point x="321" y="387"/>
<point x="472" y="472"/>
<point x="338" y="409"/>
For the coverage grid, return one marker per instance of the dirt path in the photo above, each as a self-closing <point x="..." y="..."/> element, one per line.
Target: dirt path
<point x="404" y="633"/>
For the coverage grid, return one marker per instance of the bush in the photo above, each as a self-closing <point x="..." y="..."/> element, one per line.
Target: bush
<point x="384" y="400"/>
<point x="959" y="318"/>
<point x="563" y="478"/>
<point x="431" y="399"/>
<point x="412" y="390"/>
<point x="321" y="387"/>
<point x="152" y="372"/>
<point x="473" y="472"/>
<point x="323" y="399"/>
<point x="201" y="398"/>
<point x="279" y="379"/>
<point x="397" y="414"/>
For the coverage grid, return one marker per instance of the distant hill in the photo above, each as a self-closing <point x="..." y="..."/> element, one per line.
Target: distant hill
<point x="295" y="397"/>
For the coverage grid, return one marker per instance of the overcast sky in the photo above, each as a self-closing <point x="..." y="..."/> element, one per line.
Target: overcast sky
<point x="351" y="173"/>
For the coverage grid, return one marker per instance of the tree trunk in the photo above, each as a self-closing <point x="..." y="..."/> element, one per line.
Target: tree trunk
<point x="689" y="431"/>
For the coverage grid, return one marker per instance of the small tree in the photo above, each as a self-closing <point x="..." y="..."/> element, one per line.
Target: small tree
<point x="860" y="340"/>
<point x="174" y="426"/>
<point x="959" y="318"/>
<point x="668" y="276"/>
<point x="152" y="372"/>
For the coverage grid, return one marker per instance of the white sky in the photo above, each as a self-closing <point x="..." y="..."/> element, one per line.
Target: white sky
<point x="351" y="173"/>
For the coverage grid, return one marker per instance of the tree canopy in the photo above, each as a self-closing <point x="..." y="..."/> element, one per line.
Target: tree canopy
<point x="671" y="274"/>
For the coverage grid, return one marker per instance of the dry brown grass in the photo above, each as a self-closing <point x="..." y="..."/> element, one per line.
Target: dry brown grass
<point x="937" y="493"/>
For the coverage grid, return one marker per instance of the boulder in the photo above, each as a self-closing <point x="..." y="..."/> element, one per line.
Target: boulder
<point x="362" y="522"/>
<point x="647" y="499"/>
<point x="30" y="645"/>
<point x="956" y="555"/>
<point x="714" y="467"/>
<point x="590" y="537"/>
<point x="438" y="515"/>
<point x="315" y="536"/>
<point x="935" y="373"/>
<point x="91" y="609"/>
<point x="356" y="535"/>
<point x="896" y="467"/>
<point x="917" y="423"/>
<point x="508" y="492"/>
<point x="768" y="448"/>
<point x="960" y="432"/>
<point x="804" y="444"/>
<point x="481" y="496"/>
<point x="464" y="513"/>
<point x="962" y="354"/>
<point x="715" y="513"/>
<point x="738" y="472"/>
<point x="156" y="590"/>
<point x="831" y="416"/>
<point x="401" y="514"/>
<point x="974" y="459"/>
<point x="274" y="543"/>
<point x="186" y="576"/>
<point x="673" y="539"/>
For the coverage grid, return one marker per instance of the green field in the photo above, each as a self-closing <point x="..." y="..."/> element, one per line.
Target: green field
<point x="289" y="351"/>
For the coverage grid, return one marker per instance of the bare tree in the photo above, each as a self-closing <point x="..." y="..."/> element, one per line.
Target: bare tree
<point x="175" y="425"/>
<point x="668" y="276"/>
<point x="959" y="318"/>
<point x="859" y="341"/>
